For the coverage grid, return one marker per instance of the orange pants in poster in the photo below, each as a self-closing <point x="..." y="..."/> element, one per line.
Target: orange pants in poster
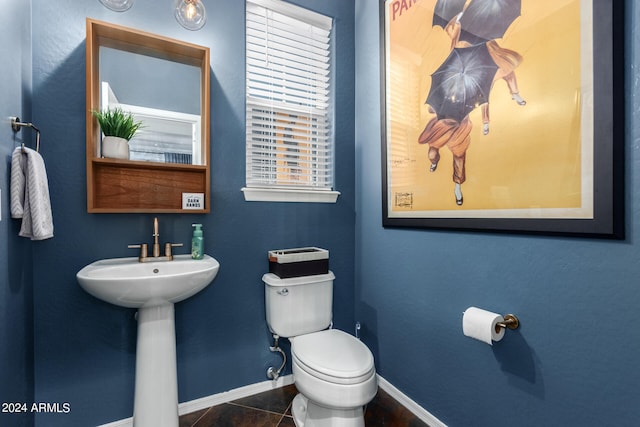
<point x="456" y="136"/>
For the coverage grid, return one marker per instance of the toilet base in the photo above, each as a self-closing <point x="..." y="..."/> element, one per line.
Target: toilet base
<point x="309" y="414"/>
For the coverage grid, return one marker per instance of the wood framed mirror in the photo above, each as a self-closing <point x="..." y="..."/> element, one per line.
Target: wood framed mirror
<point x="168" y="167"/>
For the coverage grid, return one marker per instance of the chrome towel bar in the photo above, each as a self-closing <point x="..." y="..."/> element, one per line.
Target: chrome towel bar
<point x="16" y="125"/>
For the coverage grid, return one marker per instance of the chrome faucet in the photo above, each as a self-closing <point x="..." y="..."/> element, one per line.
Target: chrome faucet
<point x="156" y="235"/>
<point x="144" y="248"/>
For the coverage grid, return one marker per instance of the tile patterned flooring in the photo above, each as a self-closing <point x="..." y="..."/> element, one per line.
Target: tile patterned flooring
<point x="273" y="409"/>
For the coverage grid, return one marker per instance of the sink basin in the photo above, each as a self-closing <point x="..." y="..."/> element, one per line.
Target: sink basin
<point x="153" y="288"/>
<point x="129" y="283"/>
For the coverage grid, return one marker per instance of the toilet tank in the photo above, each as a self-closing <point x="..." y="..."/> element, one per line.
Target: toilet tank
<point x="298" y="305"/>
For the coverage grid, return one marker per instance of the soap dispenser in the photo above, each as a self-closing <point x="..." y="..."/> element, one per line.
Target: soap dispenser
<point x="197" y="244"/>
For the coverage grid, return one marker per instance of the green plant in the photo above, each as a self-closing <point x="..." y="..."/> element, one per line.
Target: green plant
<point x="117" y="122"/>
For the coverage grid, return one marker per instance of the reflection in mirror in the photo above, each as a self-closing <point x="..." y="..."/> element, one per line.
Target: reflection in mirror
<point x="166" y="136"/>
<point x="170" y="115"/>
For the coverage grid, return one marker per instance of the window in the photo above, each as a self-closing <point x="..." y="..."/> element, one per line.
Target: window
<point x="289" y="140"/>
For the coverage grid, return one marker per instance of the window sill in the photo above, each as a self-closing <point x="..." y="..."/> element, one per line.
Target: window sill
<point x="289" y="195"/>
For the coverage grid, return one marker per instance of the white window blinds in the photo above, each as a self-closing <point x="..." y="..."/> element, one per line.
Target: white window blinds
<point x="289" y="138"/>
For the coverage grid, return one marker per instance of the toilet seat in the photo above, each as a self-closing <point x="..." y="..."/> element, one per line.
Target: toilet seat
<point x="333" y="356"/>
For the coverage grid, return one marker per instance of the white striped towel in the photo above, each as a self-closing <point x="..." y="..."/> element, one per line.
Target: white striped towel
<point x="30" y="194"/>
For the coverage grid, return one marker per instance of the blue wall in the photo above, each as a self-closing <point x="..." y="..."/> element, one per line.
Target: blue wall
<point x="85" y="349"/>
<point x="16" y="312"/>
<point x="573" y="362"/>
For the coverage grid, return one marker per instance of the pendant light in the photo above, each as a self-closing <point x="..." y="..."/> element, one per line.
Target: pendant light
<point x="117" y="5"/>
<point x="190" y="14"/>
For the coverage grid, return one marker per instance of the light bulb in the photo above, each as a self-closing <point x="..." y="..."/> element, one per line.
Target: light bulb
<point x="191" y="11"/>
<point x="117" y="5"/>
<point x="191" y="14"/>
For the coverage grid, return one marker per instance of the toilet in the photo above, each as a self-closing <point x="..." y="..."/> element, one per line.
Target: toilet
<point x="333" y="371"/>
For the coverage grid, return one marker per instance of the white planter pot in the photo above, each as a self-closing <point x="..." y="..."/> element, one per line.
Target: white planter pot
<point x="114" y="147"/>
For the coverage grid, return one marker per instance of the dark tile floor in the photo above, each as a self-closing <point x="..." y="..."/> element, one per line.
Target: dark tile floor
<point x="273" y="409"/>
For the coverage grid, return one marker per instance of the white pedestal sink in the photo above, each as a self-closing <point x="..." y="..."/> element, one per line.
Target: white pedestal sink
<point x="153" y="288"/>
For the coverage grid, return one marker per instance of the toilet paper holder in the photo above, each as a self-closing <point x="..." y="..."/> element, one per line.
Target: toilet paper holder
<point x="511" y="321"/>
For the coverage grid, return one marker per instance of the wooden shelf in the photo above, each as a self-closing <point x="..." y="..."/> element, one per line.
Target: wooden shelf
<point x="129" y="186"/>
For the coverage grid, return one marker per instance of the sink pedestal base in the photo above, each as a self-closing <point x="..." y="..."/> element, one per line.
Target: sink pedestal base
<point x="156" y="386"/>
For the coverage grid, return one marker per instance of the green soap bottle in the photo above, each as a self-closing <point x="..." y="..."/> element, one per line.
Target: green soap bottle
<point x="197" y="243"/>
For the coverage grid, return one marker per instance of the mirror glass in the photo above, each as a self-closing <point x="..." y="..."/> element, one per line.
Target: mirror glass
<point x="163" y="95"/>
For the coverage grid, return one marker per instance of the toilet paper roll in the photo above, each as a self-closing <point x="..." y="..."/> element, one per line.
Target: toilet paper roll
<point x="481" y="325"/>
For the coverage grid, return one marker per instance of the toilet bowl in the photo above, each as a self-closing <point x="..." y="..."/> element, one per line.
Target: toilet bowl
<point x="336" y="377"/>
<point x="333" y="368"/>
<point x="333" y="371"/>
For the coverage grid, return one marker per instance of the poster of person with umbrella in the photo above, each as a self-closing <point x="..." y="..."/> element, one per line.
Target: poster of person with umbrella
<point x="447" y="64"/>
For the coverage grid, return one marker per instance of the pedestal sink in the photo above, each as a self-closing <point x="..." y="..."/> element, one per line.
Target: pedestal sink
<point x="153" y="288"/>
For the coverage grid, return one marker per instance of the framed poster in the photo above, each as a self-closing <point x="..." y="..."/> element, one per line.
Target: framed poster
<point x="503" y="115"/>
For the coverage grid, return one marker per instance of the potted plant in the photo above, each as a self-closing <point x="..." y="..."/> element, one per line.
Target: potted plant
<point x="118" y="127"/>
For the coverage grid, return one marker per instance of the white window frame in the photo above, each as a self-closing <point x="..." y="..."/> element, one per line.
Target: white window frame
<point x="306" y="172"/>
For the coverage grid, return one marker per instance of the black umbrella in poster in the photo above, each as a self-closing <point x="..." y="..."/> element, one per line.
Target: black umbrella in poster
<point x="489" y="19"/>
<point x="445" y="10"/>
<point x="462" y="82"/>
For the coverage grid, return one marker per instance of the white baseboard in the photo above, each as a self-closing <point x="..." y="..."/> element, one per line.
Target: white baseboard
<point x="251" y="389"/>
<point x="236" y="393"/>
<point x="412" y="406"/>
<point x="218" y="398"/>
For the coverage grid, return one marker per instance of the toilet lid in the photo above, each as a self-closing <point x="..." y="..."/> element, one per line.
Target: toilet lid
<point x="335" y="354"/>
